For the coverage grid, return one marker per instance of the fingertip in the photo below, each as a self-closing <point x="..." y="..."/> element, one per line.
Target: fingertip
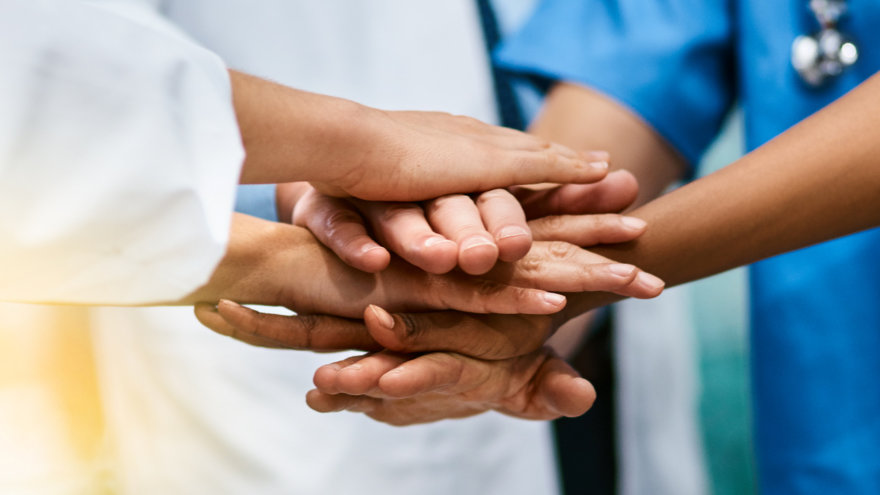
<point x="513" y="243"/>
<point x="477" y="255"/>
<point x="325" y="378"/>
<point x="208" y="316"/>
<point x="321" y="402"/>
<point x="596" y="155"/>
<point x="377" y="326"/>
<point x="554" y="302"/>
<point x="569" y="396"/>
<point x="231" y="311"/>
<point x="353" y="380"/>
<point x="371" y="258"/>
<point x="650" y="285"/>
<point x="633" y="224"/>
<point x="435" y="254"/>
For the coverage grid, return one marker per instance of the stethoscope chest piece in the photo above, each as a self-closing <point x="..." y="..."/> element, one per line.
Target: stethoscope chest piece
<point x="824" y="55"/>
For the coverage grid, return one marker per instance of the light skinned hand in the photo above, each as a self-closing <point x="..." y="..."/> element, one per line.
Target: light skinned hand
<point x="538" y="385"/>
<point x="453" y="230"/>
<point x="413" y="156"/>
<point x="347" y="149"/>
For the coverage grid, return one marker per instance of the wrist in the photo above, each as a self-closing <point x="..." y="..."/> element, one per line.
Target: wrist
<point x="292" y="135"/>
<point x="258" y="251"/>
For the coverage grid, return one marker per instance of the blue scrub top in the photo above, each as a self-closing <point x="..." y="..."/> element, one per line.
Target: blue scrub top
<point x="680" y="64"/>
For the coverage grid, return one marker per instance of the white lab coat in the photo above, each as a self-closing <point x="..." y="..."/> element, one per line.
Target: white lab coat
<point x="119" y="155"/>
<point x="193" y="412"/>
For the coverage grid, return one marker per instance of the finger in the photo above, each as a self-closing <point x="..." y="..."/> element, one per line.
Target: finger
<point x="612" y="194"/>
<point x="433" y="372"/>
<point x="362" y="376"/>
<point x="561" y="390"/>
<point x="550" y="163"/>
<point x="483" y="336"/>
<point x="564" y="267"/>
<point x="457" y="218"/>
<point x="504" y="218"/>
<point x="403" y="228"/>
<point x="338" y="225"/>
<point x="326" y="377"/>
<point x="208" y="316"/>
<point x="302" y="332"/>
<point x="588" y="230"/>
<point x="461" y="292"/>
<point x="325" y="403"/>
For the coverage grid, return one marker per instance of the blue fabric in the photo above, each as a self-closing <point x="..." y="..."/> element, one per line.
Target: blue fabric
<point x="815" y="312"/>
<point x="257" y="200"/>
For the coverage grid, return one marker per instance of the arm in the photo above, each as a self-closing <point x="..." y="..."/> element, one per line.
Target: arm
<point x="818" y="180"/>
<point x="347" y="149"/>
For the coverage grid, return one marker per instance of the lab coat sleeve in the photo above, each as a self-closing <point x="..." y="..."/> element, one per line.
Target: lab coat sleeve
<point x="670" y="62"/>
<point x="119" y="156"/>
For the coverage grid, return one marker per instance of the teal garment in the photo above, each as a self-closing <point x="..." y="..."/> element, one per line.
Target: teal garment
<point x="815" y="313"/>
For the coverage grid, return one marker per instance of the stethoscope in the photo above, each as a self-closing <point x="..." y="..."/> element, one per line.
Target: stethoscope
<point x="825" y="54"/>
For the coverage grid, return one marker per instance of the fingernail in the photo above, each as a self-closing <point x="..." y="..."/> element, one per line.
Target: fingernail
<point x="385" y="319"/>
<point x="621" y="269"/>
<point x="508" y="232"/>
<point x="475" y="241"/>
<point x="649" y="281"/>
<point x="599" y="165"/>
<point x="366" y="248"/>
<point x="554" y="299"/>
<point x="633" y="223"/>
<point x="597" y="155"/>
<point x="227" y="302"/>
<point x="434" y="240"/>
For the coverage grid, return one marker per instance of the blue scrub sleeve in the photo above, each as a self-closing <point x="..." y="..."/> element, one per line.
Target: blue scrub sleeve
<point x="669" y="61"/>
<point x="257" y="200"/>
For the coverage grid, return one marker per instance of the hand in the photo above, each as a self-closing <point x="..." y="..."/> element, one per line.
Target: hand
<point x="447" y="231"/>
<point x="550" y="265"/>
<point x="538" y="386"/>
<point x="412" y="156"/>
<point x="276" y="264"/>
<point x="347" y="149"/>
<point x="522" y="379"/>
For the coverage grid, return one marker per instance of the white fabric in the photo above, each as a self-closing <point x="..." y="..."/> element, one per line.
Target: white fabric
<point x="192" y="412"/>
<point x="661" y="449"/>
<point x="119" y="153"/>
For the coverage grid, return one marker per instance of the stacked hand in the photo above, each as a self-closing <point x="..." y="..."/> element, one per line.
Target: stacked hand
<point x="473" y="272"/>
<point x="481" y="359"/>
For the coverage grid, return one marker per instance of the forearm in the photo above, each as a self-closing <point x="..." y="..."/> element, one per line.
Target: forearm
<point x="817" y="181"/>
<point x="292" y="135"/>
<point x="257" y="250"/>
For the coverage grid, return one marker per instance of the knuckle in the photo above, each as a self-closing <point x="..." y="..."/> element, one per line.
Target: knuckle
<point x="392" y="212"/>
<point x="308" y="324"/>
<point x="493" y="196"/>
<point x="412" y="328"/>
<point x="530" y="264"/>
<point x="338" y="217"/>
<point x="561" y="250"/>
<point x="445" y="202"/>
